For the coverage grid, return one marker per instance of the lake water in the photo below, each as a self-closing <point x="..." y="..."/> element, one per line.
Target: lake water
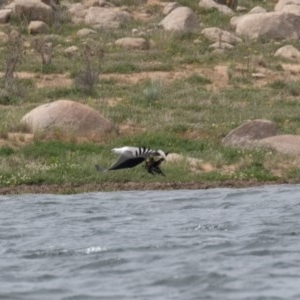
<point x="189" y="244"/>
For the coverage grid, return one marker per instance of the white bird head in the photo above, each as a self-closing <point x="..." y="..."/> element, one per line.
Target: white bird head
<point x="162" y="154"/>
<point x="118" y="150"/>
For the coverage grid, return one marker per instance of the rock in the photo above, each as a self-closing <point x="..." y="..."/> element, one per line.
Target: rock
<point x="71" y="50"/>
<point x="221" y="45"/>
<point x="230" y="3"/>
<point x="53" y="3"/>
<point x="208" y="4"/>
<point x="271" y="25"/>
<point x="33" y="10"/>
<point x="286" y="144"/>
<point x="216" y="34"/>
<point x="68" y="117"/>
<point x="169" y="7"/>
<point x="181" y="19"/>
<point x="85" y="32"/>
<point x="102" y="17"/>
<point x="89" y="3"/>
<point x="36" y="27"/>
<point x="290" y="6"/>
<point x="258" y="75"/>
<point x="102" y="3"/>
<point x="288" y="52"/>
<point x="249" y="132"/>
<point x="3" y="37"/>
<point x="5" y="15"/>
<point x="77" y="11"/>
<point x="257" y="10"/>
<point x="133" y="43"/>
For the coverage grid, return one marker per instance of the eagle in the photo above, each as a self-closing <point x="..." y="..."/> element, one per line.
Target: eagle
<point x="130" y="157"/>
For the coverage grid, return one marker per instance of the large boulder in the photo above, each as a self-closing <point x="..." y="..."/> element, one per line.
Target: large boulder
<point x="102" y="17"/>
<point x="271" y="25"/>
<point x="291" y="6"/>
<point x="286" y="144"/>
<point x="181" y="19"/>
<point x="33" y="10"/>
<point x="67" y="117"/>
<point x="248" y="133"/>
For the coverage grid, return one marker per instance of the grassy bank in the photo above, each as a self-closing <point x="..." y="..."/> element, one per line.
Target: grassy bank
<point x="178" y="96"/>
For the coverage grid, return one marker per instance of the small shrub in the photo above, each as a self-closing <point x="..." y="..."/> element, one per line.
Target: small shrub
<point x="14" y="54"/>
<point x="11" y="90"/>
<point x="87" y="78"/>
<point x="290" y="87"/>
<point x="10" y="87"/>
<point x="122" y="68"/>
<point x="6" y="151"/>
<point x="44" y="48"/>
<point x="153" y="91"/>
<point x="198" y="79"/>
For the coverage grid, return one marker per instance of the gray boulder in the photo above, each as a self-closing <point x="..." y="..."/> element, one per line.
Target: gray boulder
<point x="286" y="144"/>
<point x="248" y="133"/>
<point x="102" y="17"/>
<point x="271" y="25"/>
<point x="216" y="34"/>
<point x="33" y="10"/>
<point x="70" y="51"/>
<point x="36" y="27"/>
<point x="85" y="32"/>
<point x="67" y="117"/>
<point x="181" y="19"/>
<point x="4" y="15"/>
<point x="133" y="43"/>
<point x="208" y="4"/>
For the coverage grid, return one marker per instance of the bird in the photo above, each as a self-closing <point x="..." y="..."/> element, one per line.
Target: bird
<point x="130" y="157"/>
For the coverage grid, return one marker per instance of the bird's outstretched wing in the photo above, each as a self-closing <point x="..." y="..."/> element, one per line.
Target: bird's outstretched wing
<point x="122" y="163"/>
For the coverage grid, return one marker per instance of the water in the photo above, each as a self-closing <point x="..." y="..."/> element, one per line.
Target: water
<point x="200" y="244"/>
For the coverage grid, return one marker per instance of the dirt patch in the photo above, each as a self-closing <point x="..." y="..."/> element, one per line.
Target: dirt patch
<point x="16" y="139"/>
<point x="45" y="80"/>
<point x="132" y="186"/>
<point x="218" y="75"/>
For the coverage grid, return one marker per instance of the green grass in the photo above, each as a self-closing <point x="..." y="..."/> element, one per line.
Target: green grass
<point x="55" y="162"/>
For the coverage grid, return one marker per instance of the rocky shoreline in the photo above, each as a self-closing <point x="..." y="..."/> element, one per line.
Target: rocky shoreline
<point x="135" y="186"/>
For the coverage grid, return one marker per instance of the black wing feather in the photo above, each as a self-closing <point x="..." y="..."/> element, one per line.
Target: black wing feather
<point x="123" y="163"/>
